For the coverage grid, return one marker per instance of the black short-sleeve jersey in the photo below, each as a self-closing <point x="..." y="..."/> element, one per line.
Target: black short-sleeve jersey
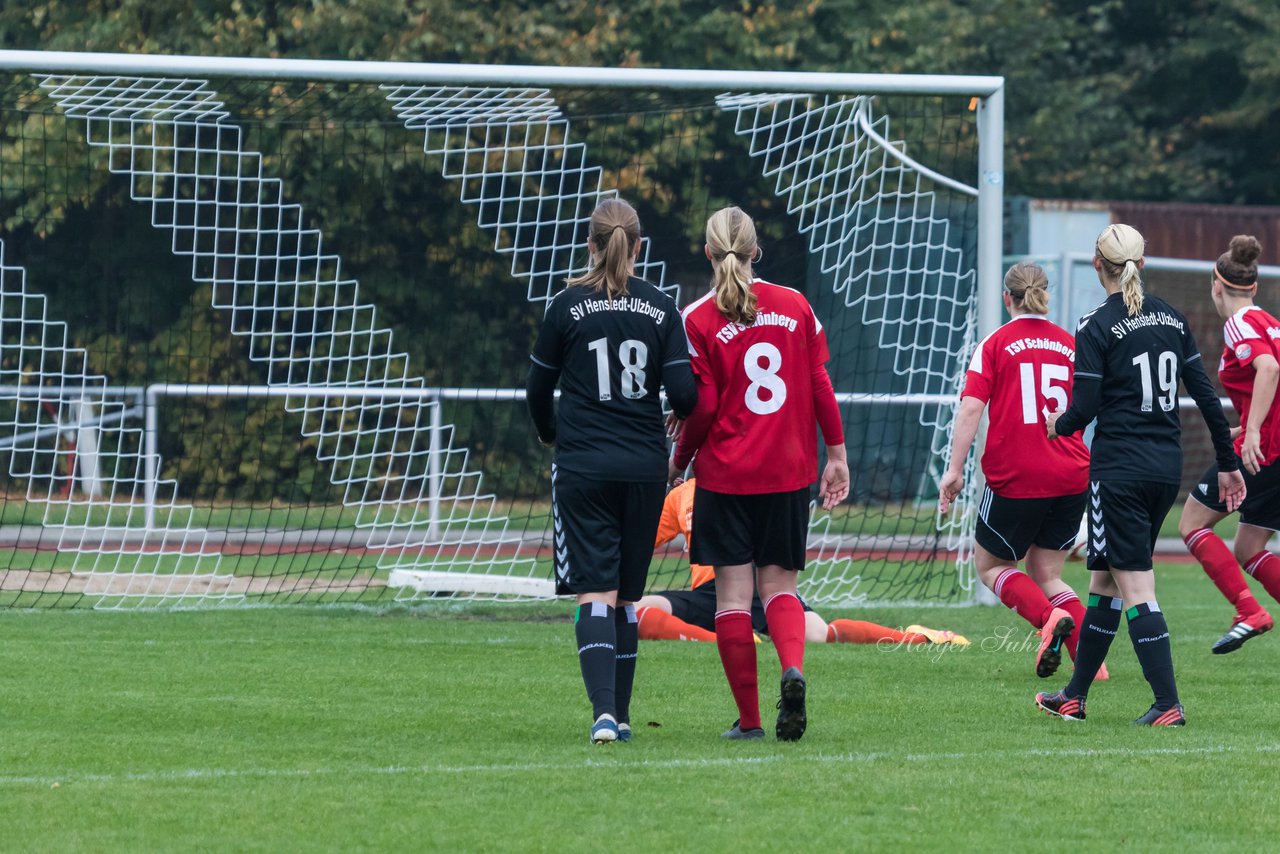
<point x="1135" y="365"/>
<point x="611" y="356"/>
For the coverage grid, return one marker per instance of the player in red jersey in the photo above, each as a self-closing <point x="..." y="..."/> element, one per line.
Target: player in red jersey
<point x="690" y="614"/>
<point x="759" y="354"/>
<point x="1035" y="492"/>
<point x="1249" y="371"/>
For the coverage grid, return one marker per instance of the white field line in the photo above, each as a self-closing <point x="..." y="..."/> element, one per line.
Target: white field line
<point x="189" y="774"/>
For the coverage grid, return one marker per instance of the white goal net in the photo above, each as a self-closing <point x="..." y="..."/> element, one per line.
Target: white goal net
<point x="263" y="328"/>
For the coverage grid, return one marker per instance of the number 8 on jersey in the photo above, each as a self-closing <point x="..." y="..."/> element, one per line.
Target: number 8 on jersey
<point x="762" y="363"/>
<point x="764" y="379"/>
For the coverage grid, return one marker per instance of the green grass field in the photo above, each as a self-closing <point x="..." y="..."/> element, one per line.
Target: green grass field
<point x="465" y="728"/>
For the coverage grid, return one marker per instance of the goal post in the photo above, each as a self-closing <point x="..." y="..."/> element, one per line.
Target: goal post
<point x="289" y="305"/>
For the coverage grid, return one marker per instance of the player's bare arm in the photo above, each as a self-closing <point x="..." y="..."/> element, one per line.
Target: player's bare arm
<point x="1264" y="394"/>
<point x="1232" y="489"/>
<point x="966" y="428"/>
<point x="834" y="486"/>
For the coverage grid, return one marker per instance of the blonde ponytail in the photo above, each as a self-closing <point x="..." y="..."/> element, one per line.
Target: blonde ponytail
<point x="1027" y="283"/>
<point x="731" y="240"/>
<point x="1131" y="287"/>
<point x="1120" y="248"/>
<point x="614" y="232"/>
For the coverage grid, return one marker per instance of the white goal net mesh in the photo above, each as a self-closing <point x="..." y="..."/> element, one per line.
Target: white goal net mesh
<point x="265" y="342"/>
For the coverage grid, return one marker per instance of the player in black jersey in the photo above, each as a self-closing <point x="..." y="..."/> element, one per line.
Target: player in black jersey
<point x="1131" y="351"/>
<point x="612" y="341"/>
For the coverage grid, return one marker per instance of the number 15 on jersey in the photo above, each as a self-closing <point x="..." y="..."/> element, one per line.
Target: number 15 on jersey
<point x="1049" y="374"/>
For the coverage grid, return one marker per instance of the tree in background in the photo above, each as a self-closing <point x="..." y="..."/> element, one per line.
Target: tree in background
<point x="1135" y="99"/>
<point x="1131" y="99"/>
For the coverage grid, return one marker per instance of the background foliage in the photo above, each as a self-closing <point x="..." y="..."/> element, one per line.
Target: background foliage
<point x="1136" y="99"/>
<point x="1133" y="100"/>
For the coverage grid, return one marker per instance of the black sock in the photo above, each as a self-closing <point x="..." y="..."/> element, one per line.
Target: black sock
<point x="1101" y="622"/>
<point x="1150" y="636"/>
<point x="597" y="640"/>
<point x="628" y="629"/>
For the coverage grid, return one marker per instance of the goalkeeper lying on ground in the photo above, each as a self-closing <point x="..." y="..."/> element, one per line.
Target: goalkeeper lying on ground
<point x="690" y="614"/>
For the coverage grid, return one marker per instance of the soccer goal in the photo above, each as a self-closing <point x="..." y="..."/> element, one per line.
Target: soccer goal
<point x="264" y="324"/>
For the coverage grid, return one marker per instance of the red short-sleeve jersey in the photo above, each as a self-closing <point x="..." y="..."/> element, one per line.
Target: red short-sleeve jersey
<point x="1021" y="370"/>
<point x="764" y="437"/>
<point x="1249" y="333"/>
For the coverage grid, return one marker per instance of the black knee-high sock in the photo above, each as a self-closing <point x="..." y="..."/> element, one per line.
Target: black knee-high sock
<point x="1101" y="622"/>
<point x="1150" y="636"/>
<point x="597" y="643"/>
<point x="628" y="629"/>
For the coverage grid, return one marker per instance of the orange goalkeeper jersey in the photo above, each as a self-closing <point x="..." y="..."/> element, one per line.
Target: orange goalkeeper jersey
<point x="677" y="518"/>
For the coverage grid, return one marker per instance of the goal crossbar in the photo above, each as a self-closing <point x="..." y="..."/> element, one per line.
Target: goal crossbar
<point x="127" y="64"/>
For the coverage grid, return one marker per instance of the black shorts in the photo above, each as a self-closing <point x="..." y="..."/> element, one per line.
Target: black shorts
<point x="1261" y="506"/>
<point x="604" y="532"/>
<point x="769" y="529"/>
<point x="1124" y="521"/>
<point x="1007" y="527"/>
<point x="697" y="607"/>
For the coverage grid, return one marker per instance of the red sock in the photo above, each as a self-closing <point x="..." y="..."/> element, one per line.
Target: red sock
<point x="1068" y="601"/>
<point x="737" y="645"/>
<point x="785" y="616"/>
<point x="1265" y="567"/>
<point x="860" y="631"/>
<point x="1221" y="567"/>
<point x="659" y="625"/>
<point x="1022" y="596"/>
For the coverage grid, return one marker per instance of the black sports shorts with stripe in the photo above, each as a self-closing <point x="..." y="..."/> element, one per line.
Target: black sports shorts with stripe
<point x="767" y="529"/>
<point x="1124" y="521"/>
<point x="1261" y="506"/>
<point x="603" y="533"/>
<point x="1008" y="527"/>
